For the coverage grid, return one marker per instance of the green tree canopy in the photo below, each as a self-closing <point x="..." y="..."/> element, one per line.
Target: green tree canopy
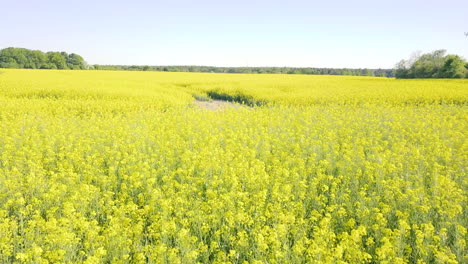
<point x="432" y="65"/>
<point x="35" y="59"/>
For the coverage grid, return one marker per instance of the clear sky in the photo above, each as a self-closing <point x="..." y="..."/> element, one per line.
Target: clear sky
<point x="353" y="34"/>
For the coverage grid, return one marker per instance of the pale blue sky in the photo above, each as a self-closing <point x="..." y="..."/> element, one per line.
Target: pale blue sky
<point x="354" y="34"/>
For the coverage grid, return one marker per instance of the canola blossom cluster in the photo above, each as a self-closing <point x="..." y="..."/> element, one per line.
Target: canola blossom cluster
<point x="123" y="167"/>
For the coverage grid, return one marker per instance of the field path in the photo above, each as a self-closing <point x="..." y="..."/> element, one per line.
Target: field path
<point x="215" y="104"/>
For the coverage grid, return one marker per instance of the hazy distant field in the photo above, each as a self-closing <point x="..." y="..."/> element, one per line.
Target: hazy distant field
<point x="124" y="167"/>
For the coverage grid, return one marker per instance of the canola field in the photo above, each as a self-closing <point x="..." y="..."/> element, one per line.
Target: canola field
<point x="123" y="167"/>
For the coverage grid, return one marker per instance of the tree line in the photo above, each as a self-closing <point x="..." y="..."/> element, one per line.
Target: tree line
<point x="435" y="64"/>
<point x="430" y="65"/>
<point x="255" y="70"/>
<point x="21" y="58"/>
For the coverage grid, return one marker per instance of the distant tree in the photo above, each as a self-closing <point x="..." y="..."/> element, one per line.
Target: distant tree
<point x="38" y="59"/>
<point x="432" y="65"/>
<point x="8" y="63"/>
<point x="428" y="65"/>
<point x="57" y="59"/>
<point x="369" y="72"/>
<point x="75" y="62"/>
<point x="13" y="58"/>
<point x="453" y="67"/>
<point x="401" y="69"/>
<point x="35" y="59"/>
<point x="51" y="66"/>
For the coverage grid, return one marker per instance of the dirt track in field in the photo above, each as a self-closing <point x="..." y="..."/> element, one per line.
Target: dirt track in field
<point x="215" y="105"/>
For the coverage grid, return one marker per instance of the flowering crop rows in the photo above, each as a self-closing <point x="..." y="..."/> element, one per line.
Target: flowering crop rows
<point x="121" y="167"/>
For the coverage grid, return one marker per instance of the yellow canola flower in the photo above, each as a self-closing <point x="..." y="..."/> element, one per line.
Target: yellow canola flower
<point x="126" y="167"/>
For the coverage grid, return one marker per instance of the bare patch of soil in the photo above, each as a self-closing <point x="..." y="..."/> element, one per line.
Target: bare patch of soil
<point x="215" y="105"/>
